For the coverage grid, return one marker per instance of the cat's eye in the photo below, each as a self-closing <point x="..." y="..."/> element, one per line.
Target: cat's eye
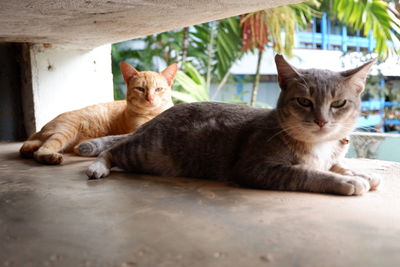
<point x="338" y="103"/>
<point x="141" y="89"/>
<point x="159" y="89"/>
<point x="304" y="102"/>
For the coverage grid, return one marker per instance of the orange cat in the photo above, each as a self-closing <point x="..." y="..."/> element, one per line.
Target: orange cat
<point x="148" y="94"/>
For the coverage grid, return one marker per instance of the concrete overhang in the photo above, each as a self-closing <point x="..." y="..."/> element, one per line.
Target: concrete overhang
<point x="89" y="23"/>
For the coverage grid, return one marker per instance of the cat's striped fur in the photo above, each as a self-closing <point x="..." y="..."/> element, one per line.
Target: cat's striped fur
<point x="298" y="146"/>
<point x="95" y="146"/>
<point x="148" y="94"/>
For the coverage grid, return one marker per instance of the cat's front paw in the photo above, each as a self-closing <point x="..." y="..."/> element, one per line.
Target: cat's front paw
<point x="352" y="186"/>
<point x="374" y="180"/>
<point x="97" y="170"/>
<point x="48" y="157"/>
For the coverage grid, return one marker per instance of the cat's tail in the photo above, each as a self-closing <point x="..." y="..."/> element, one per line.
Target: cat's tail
<point x="95" y="146"/>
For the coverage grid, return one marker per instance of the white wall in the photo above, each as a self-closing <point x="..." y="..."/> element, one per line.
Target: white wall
<point x="69" y="79"/>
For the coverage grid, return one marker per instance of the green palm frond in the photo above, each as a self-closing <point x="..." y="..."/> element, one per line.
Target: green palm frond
<point x="227" y="45"/>
<point x="191" y="86"/>
<point x="371" y="15"/>
<point x="286" y="19"/>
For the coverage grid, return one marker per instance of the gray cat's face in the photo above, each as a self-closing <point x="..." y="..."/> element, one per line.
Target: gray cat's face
<point x="319" y="105"/>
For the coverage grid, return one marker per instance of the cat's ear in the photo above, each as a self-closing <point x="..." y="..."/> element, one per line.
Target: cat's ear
<point x="285" y="71"/>
<point x="127" y="71"/>
<point x="170" y="72"/>
<point x="356" y="78"/>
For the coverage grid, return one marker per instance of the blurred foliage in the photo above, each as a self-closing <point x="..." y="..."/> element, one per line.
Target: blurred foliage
<point x="276" y="23"/>
<point x="191" y="86"/>
<point x="212" y="48"/>
<point x="371" y="16"/>
<point x="226" y="50"/>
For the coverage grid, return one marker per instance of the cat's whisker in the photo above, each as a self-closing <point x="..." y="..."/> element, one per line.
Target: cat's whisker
<point x="278" y="133"/>
<point x="284" y="131"/>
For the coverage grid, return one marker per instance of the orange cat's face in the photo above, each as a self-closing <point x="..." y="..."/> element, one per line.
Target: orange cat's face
<point x="148" y="89"/>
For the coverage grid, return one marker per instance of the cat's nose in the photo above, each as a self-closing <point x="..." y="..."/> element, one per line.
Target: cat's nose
<point x="149" y="98"/>
<point x="320" y="123"/>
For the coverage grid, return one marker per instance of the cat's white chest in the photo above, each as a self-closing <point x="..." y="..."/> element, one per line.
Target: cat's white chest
<point x="321" y="156"/>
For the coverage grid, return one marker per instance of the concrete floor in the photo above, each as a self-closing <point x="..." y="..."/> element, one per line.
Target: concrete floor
<point x="54" y="216"/>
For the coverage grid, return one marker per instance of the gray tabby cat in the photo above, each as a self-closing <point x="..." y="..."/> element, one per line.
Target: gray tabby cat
<point x="298" y="146"/>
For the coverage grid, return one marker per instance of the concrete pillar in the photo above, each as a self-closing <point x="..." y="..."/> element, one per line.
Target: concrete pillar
<point x="58" y="79"/>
